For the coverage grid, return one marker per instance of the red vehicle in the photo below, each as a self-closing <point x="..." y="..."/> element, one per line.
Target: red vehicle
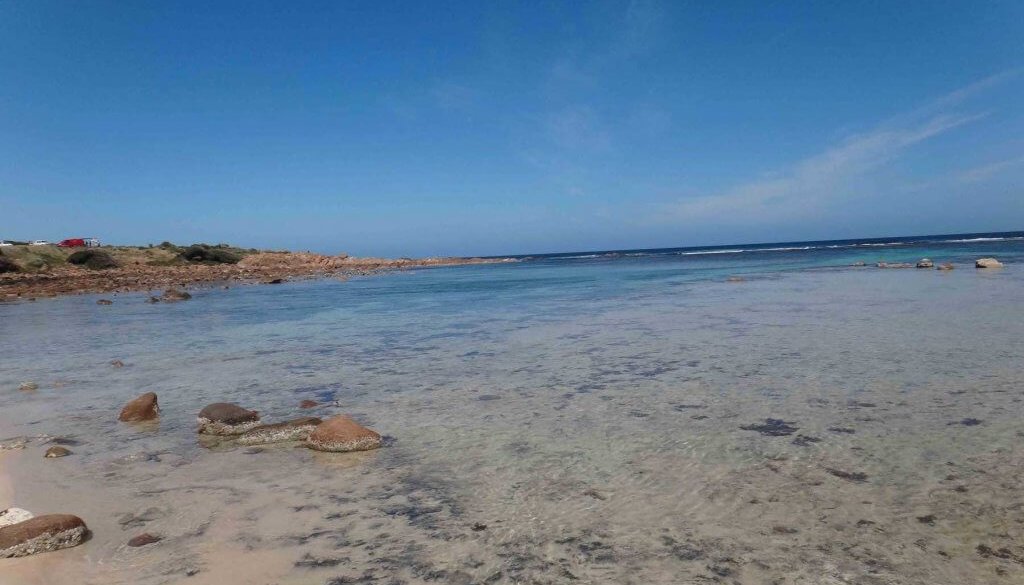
<point x="79" y="243"/>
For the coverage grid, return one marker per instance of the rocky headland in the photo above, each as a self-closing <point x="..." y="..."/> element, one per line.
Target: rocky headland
<point x="45" y="271"/>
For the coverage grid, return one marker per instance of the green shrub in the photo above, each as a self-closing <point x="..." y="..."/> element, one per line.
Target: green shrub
<point x="209" y="255"/>
<point x="8" y="265"/>
<point x="94" y="259"/>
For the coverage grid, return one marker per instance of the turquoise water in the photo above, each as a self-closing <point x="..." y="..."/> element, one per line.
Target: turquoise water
<point x="552" y="420"/>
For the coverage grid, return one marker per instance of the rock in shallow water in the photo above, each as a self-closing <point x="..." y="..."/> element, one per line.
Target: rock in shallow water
<point x="925" y="263"/>
<point x="309" y="404"/>
<point x="988" y="263"/>
<point x="41" y="534"/>
<point x="143" y="539"/>
<point x="14" y="516"/>
<point x="292" y="430"/>
<point x="224" y="419"/>
<point x="57" y="451"/>
<point x="340" y="434"/>
<point x="173" y="294"/>
<point x="144" y="407"/>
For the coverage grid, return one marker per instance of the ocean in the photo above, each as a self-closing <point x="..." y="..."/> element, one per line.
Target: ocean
<point x="634" y="416"/>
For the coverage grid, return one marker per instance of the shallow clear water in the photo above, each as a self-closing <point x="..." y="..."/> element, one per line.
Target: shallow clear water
<point x="553" y="421"/>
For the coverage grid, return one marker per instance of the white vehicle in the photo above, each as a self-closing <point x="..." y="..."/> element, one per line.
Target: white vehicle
<point x="39" y="243"/>
<point x="5" y="243"/>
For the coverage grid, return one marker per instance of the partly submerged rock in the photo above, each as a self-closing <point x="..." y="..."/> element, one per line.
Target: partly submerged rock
<point x="292" y="430"/>
<point x="143" y="539"/>
<point x="174" y="294"/>
<point x="925" y="263"/>
<point x="117" y="363"/>
<point x="41" y="534"/>
<point x="309" y="404"/>
<point x="858" y="263"/>
<point x="28" y="386"/>
<point x="223" y="418"/>
<point x="945" y="266"/>
<point x="987" y="263"/>
<point x="895" y="265"/>
<point x="144" y="407"/>
<point x="341" y="433"/>
<point x="14" y="516"/>
<point x="736" y="279"/>
<point x="104" y="302"/>
<point x="57" y="451"/>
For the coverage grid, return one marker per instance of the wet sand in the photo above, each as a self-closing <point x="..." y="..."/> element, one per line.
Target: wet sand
<point x="608" y="442"/>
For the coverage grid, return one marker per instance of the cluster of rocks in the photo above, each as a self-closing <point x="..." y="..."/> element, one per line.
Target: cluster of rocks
<point x="337" y="434"/>
<point x="927" y="263"/>
<point x="22" y="533"/>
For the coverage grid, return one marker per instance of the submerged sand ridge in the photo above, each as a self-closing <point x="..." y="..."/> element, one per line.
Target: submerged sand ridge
<point x="814" y="428"/>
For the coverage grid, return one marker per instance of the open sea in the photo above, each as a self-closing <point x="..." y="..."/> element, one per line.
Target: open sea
<point x="621" y="417"/>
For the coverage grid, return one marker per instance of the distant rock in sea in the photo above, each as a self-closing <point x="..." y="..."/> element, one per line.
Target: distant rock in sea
<point x="173" y="295"/>
<point x="988" y="263"/>
<point x="944" y="266"/>
<point x="226" y="419"/>
<point x="340" y="434"/>
<point x="925" y="263"/>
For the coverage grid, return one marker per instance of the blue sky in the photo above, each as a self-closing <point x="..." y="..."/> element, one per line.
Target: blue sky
<point x="382" y="128"/>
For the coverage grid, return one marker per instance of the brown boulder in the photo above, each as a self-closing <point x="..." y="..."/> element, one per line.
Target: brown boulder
<point x="144" y="407"/>
<point x="143" y="539"/>
<point x="41" y="534"/>
<point x="341" y="433"/>
<point x="223" y="418"/>
<point x="292" y="430"/>
<point x="117" y="363"/>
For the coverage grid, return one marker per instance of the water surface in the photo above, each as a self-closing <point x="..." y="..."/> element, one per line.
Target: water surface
<point x="556" y="420"/>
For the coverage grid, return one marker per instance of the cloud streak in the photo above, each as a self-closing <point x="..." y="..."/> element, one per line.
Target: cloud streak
<point x="806" y="188"/>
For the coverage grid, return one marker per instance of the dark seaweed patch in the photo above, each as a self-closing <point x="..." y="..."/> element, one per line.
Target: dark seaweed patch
<point x="805" y="440"/>
<point x="772" y="427"/>
<point x="848" y="475"/>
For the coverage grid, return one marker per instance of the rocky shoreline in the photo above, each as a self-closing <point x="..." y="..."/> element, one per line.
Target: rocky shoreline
<point x="260" y="267"/>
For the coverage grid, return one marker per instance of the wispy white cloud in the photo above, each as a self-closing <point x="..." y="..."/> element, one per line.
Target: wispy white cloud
<point x="839" y="172"/>
<point x="987" y="171"/>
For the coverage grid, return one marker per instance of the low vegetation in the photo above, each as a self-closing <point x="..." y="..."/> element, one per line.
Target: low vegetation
<point x="94" y="259"/>
<point x="7" y="265"/>
<point x="32" y="259"/>
<point x="210" y="254"/>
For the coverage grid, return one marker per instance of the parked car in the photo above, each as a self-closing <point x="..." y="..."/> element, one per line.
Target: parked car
<point x="72" y="243"/>
<point x="5" y="243"/>
<point x="39" y="243"/>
